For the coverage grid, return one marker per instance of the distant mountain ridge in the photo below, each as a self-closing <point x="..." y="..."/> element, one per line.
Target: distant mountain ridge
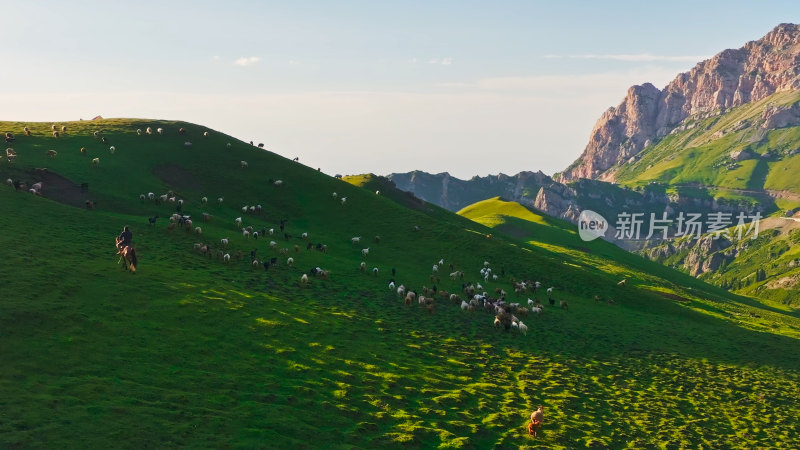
<point x="454" y="194"/>
<point x="729" y="79"/>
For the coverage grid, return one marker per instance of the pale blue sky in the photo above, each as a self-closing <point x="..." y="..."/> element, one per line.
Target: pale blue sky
<point x="362" y="86"/>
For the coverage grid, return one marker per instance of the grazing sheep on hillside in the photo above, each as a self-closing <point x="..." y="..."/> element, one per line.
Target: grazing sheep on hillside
<point x="238" y="222"/>
<point x="53" y="127"/>
<point x="244" y="164"/>
<point x="96" y="162"/>
<point x="362" y="267"/>
<point x="10" y="137"/>
<point x="290" y="261"/>
<point x="160" y="131"/>
<point x="377" y="192"/>
<point x="335" y="195"/>
<point x="355" y="240"/>
<point x="375" y="271"/>
<point x="10" y="152"/>
<point x="139" y="131"/>
<point x="37" y="186"/>
<point x="83" y="150"/>
<point x="364" y="252"/>
<point x="226" y="257"/>
<point x="187" y="144"/>
<point x="245" y="234"/>
<point x="56" y="134"/>
<point x="198" y="230"/>
<point x="64" y="129"/>
<point x="228" y="145"/>
<point x="52" y="153"/>
<point x="181" y="131"/>
<point x="204" y="200"/>
<point x="271" y="231"/>
<point x="220" y="200"/>
<point x="149" y="130"/>
<point x="205" y="134"/>
<point x="278" y="183"/>
<point x="9" y="182"/>
<point x="344" y="200"/>
<point x="304" y="236"/>
<point x="141" y="197"/>
<point x="304" y="279"/>
<point x="464" y="305"/>
<point x="112" y="149"/>
<point x="623" y="282"/>
<point x="391" y="285"/>
<point x="273" y="244"/>
<point x="550" y="291"/>
<point x="523" y="328"/>
<point x="224" y="241"/>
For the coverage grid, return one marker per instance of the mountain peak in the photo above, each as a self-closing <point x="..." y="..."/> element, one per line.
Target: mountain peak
<point x="730" y="78"/>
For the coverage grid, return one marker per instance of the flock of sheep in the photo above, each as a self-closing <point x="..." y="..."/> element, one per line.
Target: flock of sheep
<point x="475" y="297"/>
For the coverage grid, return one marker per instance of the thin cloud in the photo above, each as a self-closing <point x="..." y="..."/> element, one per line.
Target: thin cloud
<point x="441" y="61"/>
<point x="633" y="57"/>
<point x="412" y="61"/>
<point x="247" y="61"/>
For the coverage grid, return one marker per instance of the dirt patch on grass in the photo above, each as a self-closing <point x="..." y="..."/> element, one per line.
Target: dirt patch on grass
<point x="177" y="177"/>
<point x="672" y="296"/>
<point x="61" y="189"/>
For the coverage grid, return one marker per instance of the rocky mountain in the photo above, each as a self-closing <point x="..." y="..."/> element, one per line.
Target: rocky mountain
<point x="454" y="194"/>
<point x="729" y="79"/>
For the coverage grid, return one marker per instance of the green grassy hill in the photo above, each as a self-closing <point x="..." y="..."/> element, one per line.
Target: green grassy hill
<point x="697" y="156"/>
<point x="191" y="351"/>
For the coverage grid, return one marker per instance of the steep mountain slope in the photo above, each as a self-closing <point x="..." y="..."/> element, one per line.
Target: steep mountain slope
<point x="191" y="351"/>
<point x="729" y="79"/>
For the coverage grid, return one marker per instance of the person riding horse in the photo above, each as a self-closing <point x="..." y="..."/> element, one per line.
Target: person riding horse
<point x="124" y="238"/>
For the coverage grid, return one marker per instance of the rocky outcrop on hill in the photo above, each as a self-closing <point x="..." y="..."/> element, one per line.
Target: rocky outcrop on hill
<point x="730" y="78"/>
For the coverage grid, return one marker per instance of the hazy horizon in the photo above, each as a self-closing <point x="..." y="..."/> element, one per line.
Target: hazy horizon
<point x="459" y="87"/>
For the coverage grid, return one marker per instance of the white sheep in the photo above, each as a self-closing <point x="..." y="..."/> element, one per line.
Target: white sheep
<point x="550" y="291"/>
<point x="198" y="230"/>
<point x="364" y="252"/>
<point x="530" y="302"/>
<point x="245" y="233"/>
<point x="377" y="192"/>
<point x="401" y="291"/>
<point x="537" y="309"/>
<point x="163" y="197"/>
<point x="435" y="268"/>
<point x="96" y="133"/>
<point x="141" y="197"/>
<point x="96" y="162"/>
<point x="290" y="261"/>
<point x="464" y="305"/>
<point x="344" y="200"/>
<point x="244" y="209"/>
<point x="205" y="134"/>
<point x="355" y="240"/>
<point x="160" y="131"/>
<point x="228" y="145"/>
<point x="187" y="144"/>
<point x="224" y="241"/>
<point x="271" y="231"/>
<point x="278" y="183"/>
<point x="255" y="235"/>
<point x="37" y="186"/>
<point x="149" y="130"/>
<point x="238" y="222"/>
<point x="391" y="285"/>
<point x="251" y="209"/>
<point x="375" y="271"/>
<point x="272" y="244"/>
<point x="226" y="257"/>
<point x="244" y="164"/>
<point x="304" y="236"/>
<point x="204" y="200"/>
<point x="335" y="195"/>
<point x="139" y="131"/>
<point x="9" y="182"/>
<point x="523" y="328"/>
<point x="220" y="200"/>
<point x="363" y="266"/>
<point x="112" y="149"/>
<point x="304" y="279"/>
<point x="151" y="196"/>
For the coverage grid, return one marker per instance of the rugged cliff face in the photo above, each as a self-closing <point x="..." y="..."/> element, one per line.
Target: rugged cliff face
<point x="731" y="78"/>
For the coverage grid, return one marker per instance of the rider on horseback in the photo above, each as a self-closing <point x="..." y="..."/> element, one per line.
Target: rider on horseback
<point x="124" y="238"/>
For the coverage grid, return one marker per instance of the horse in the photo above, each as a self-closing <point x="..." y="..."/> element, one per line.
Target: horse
<point x="127" y="257"/>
